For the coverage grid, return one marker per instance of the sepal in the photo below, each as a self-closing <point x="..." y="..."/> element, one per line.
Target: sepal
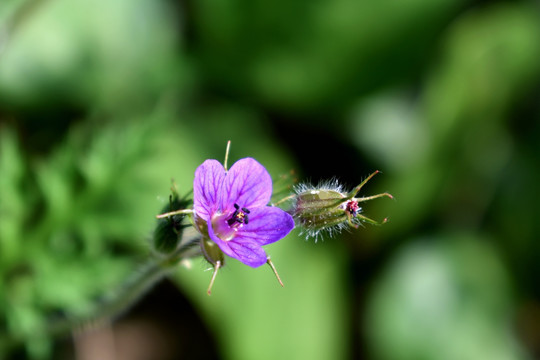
<point x="168" y="231"/>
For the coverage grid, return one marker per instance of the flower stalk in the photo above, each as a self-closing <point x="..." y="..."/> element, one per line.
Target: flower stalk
<point x="117" y="302"/>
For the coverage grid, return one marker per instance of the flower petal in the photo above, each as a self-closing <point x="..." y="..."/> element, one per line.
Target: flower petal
<point x="248" y="252"/>
<point x="247" y="184"/>
<point x="266" y="225"/>
<point x="208" y="181"/>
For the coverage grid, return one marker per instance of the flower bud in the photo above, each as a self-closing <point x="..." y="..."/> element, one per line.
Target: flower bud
<point x="168" y="231"/>
<point x="212" y="253"/>
<point x="329" y="209"/>
<point x="210" y="250"/>
<point x="318" y="209"/>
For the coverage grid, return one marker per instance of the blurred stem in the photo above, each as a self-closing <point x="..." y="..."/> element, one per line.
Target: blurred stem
<point x="118" y="302"/>
<point x="136" y="286"/>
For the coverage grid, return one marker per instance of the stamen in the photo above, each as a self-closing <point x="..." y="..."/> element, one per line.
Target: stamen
<point x="239" y="216"/>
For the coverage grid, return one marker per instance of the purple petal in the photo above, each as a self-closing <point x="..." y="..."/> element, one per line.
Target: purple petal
<point x="246" y="251"/>
<point x="266" y="225"/>
<point x="247" y="184"/>
<point x="206" y="187"/>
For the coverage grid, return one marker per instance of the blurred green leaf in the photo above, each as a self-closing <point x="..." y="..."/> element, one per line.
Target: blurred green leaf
<point x="443" y="298"/>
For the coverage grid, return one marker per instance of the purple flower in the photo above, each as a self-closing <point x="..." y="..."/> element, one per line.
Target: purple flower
<point x="231" y="207"/>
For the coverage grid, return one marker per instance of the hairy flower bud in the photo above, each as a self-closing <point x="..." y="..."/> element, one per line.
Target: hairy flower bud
<point x="168" y="231"/>
<point x="327" y="208"/>
<point x="317" y="209"/>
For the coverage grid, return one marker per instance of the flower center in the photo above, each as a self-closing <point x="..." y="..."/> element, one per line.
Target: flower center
<point x="240" y="216"/>
<point x="352" y="207"/>
<point x="225" y="226"/>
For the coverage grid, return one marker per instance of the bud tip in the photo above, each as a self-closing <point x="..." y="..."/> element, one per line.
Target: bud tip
<point x="214" y="274"/>
<point x="269" y="262"/>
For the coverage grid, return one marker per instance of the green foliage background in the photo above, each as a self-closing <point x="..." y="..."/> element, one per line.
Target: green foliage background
<point x="103" y="102"/>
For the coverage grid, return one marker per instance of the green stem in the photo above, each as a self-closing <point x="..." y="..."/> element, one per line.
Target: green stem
<point x="116" y="303"/>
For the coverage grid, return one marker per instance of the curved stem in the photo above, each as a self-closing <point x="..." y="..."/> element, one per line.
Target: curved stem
<point x="138" y="284"/>
<point x="116" y="303"/>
